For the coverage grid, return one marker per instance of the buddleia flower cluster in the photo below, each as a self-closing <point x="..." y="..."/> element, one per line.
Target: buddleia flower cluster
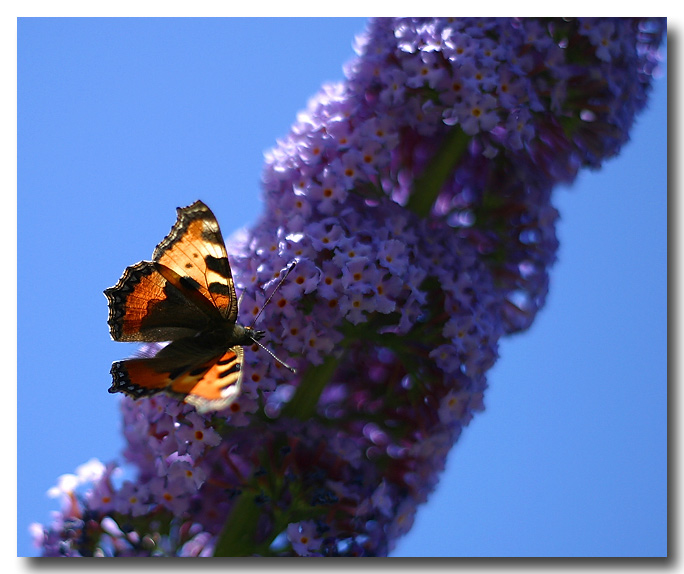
<point x="415" y="197"/>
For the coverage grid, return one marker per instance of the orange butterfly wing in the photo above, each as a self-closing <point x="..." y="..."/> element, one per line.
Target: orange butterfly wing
<point x="195" y="251"/>
<point x="186" y="295"/>
<point x="208" y="383"/>
<point x="145" y="306"/>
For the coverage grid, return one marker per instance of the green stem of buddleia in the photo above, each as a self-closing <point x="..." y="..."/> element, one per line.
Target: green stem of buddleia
<point x="302" y="406"/>
<point x="237" y="536"/>
<point x="426" y="188"/>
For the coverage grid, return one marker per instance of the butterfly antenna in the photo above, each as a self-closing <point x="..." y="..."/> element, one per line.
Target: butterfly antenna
<point x="289" y="269"/>
<point x="283" y="363"/>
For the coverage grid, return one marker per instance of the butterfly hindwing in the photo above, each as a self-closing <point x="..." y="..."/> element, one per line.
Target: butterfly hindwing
<point x="220" y="385"/>
<point x="207" y="382"/>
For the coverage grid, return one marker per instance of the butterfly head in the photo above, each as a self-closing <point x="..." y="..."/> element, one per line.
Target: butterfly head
<point x="254" y="334"/>
<point x="241" y="335"/>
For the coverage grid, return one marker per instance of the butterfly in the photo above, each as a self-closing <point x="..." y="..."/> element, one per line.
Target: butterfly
<point x="185" y="295"/>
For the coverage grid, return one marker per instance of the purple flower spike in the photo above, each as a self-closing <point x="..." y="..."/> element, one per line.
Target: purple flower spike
<point x="416" y="199"/>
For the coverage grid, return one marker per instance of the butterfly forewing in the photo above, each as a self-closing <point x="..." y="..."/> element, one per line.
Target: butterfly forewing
<point x="194" y="249"/>
<point x="145" y="306"/>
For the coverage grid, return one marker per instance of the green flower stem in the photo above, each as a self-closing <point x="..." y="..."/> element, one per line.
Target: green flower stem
<point x="303" y="403"/>
<point x="426" y="188"/>
<point x="237" y="536"/>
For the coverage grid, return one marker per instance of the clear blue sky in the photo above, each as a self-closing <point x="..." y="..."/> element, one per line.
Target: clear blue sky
<point x="122" y="120"/>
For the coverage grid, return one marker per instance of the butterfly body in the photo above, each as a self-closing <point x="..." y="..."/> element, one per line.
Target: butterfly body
<point x="185" y="295"/>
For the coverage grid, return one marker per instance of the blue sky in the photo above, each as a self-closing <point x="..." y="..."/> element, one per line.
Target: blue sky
<point x="122" y="120"/>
